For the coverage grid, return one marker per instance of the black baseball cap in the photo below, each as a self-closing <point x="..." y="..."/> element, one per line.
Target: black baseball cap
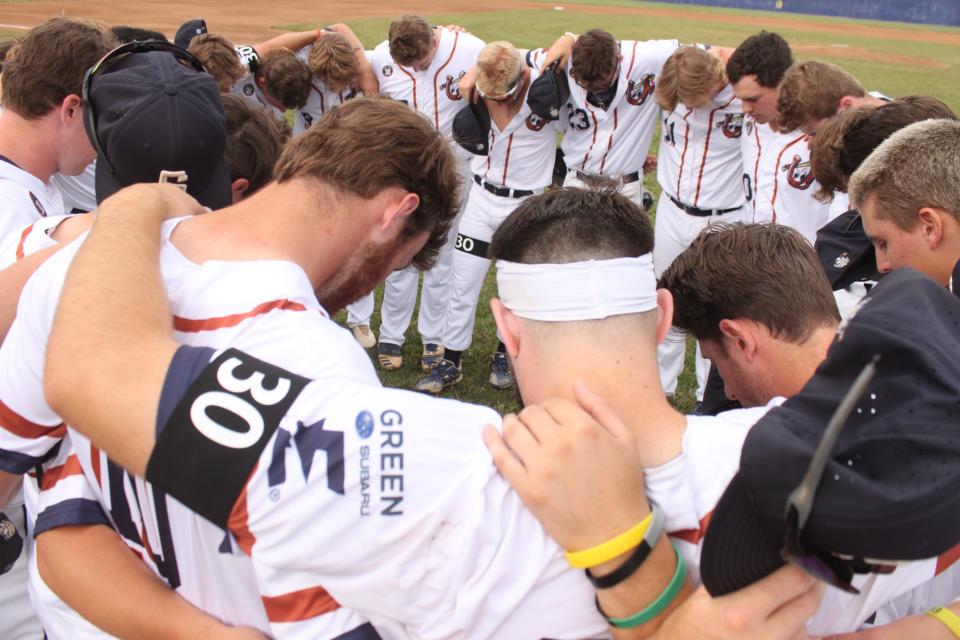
<point x="548" y="93"/>
<point x="188" y="31"/>
<point x="889" y="491"/>
<point x="471" y="128"/>
<point x="845" y="251"/>
<point x="159" y="120"/>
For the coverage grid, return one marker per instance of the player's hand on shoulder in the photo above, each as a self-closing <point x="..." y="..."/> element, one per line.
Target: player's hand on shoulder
<point x="559" y="50"/>
<point x="239" y="633"/>
<point x="774" y="608"/>
<point x="576" y="467"/>
<point x="156" y="200"/>
<point x="455" y="28"/>
<point x="467" y="85"/>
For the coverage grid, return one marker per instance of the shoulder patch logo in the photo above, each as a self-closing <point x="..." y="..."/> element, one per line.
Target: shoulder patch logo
<point x="637" y="93"/>
<point x="535" y="122"/>
<point x="387" y="70"/>
<point x="799" y="175"/>
<point x="248" y="89"/>
<point x="451" y="87"/>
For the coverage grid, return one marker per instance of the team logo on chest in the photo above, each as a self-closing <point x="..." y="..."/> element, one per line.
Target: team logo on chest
<point x="450" y="86"/>
<point x="535" y="122"/>
<point x="732" y="125"/>
<point x="799" y="175"/>
<point x="387" y="70"/>
<point x="637" y="93"/>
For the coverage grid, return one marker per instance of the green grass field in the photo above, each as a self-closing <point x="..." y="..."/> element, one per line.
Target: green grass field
<point x="895" y="64"/>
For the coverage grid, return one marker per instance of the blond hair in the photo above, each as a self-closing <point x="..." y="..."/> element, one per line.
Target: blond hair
<point x="498" y="66"/>
<point x="690" y="76"/>
<point x="916" y="167"/>
<point x="219" y="58"/>
<point x="333" y="61"/>
<point x="812" y="90"/>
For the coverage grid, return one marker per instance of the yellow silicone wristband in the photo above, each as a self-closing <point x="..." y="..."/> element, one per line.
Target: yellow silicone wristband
<point x="606" y="551"/>
<point x="947" y="617"/>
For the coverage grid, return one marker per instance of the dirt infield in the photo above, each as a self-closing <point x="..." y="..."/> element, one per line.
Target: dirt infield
<point x="244" y="21"/>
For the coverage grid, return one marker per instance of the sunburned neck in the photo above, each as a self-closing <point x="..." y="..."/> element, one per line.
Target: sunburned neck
<point x="26" y="143"/>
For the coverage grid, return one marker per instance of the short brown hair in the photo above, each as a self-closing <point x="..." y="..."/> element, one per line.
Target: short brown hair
<point x="767" y="273"/>
<point x="49" y="64"/>
<point x="594" y="56"/>
<point x="813" y="90"/>
<point x="254" y="141"/>
<point x="219" y="58"/>
<point x="334" y="62"/>
<point x="916" y="167"/>
<point x="689" y="76"/>
<point x="345" y="151"/>
<point x="410" y="38"/>
<point x="285" y="77"/>
<point x="844" y="142"/>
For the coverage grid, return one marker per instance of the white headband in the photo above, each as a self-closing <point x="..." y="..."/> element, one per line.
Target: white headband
<point x="590" y="290"/>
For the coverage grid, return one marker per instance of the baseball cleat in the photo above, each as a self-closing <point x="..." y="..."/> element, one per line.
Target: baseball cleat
<point x="500" y="375"/>
<point x="432" y="354"/>
<point x="364" y="335"/>
<point x="389" y="356"/>
<point x="443" y="375"/>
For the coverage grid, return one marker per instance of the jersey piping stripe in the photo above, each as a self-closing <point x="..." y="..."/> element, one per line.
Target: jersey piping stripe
<point x="506" y="161"/>
<point x="436" y="76"/>
<point x="188" y="325"/>
<point x="493" y="138"/>
<point x="299" y="605"/>
<point x="323" y="108"/>
<point x="54" y="475"/>
<point x="683" y="156"/>
<point x="633" y="57"/>
<point x="238" y="522"/>
<point x="23" y="428"/>
<point x="23" y="238"/>
<point x="706" y="147"/>
<point x="414" y="81"/>
<point x="616" y="119"/>
<point x="776" y="174"/>
<point x="694" y="536"/>
<point x="95" y="462"/>
<point x="756" y="169"/>
<point x="592" y="142"/>
<point x="946" y="559"/>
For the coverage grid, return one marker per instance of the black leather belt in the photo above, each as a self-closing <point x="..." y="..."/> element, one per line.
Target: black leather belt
<point x="701" y="213"/>
<point x="596" y="180"/>
<point x="503" y="192"/>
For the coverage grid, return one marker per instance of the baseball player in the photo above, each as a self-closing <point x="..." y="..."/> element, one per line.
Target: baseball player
<point x="698" y="169"/>
<point x="611" y="114"/>
<point x="420" y="66"/>
<point x="520" y="147"/>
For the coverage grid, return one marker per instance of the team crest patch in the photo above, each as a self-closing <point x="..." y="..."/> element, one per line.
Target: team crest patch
<point x="535" y="122"/>
<point x="799" y="175"/>
<point x="842" y="261"/>
<point x="248" y="89"/>
<point x="637" y="93"/>
<point x="387" y="70"/>
<point x="451" y="87"/>
<point x="749" y="127"/>
<point x="38" y="205"/>
<point x="732" y="125"/>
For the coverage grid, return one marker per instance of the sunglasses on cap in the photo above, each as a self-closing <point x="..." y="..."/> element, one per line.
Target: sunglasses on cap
<point x="835" y="570"/>
<point x="89" y="113"/>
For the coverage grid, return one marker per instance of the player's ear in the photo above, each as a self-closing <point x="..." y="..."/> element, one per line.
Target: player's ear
<point x="931" y="224"/>
<point x="399" y="205"/>
<point x="846" y="102"/>
<point x="508" y="325"/>
<point x="71" y="108"/>
<point x="738" y="338"/>
<point x="239" y="187"/>
<point x="664" y="313"/>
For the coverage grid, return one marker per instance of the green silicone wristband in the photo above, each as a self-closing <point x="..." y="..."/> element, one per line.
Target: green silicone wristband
<point x="657" y="606"/>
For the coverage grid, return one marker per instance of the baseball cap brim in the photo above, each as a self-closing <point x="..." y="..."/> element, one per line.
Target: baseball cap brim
<point x="738" y="549"/>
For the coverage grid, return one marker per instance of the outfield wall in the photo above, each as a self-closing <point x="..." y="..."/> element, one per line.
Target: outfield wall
<point x="945" y="12"/>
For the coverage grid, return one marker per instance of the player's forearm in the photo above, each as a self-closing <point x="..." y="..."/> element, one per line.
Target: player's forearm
<point x="9" y="483"/>
<point x="911" y="628"/>
<point x="113" y="326"/>
<point x="294" y="41"/>
<point x="12" y="280"/>
<point x="132" y="603"/>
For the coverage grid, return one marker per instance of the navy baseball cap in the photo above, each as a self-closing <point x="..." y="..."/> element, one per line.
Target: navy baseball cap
<point x="188" y="31"/>
<point x="889" y="491"/>
<point x="548" y="93"/>
<point x="471" y="128"/>
<point x="159" y="120"/>
<point x="845" y="251"/>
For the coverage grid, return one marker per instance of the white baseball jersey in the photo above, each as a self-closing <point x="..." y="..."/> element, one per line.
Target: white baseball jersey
<point x="24" y="198"/>
<point x="433" y="92"/>
<point x="616" y="141"/>
<point x="247" y="86"/>
<point x="688" y="488"/>
<point x="778" y="181"/>
<point x="403" y="517"/>
<point x="700" y="162"/>
<point x="79" y="192"/>
<point x="521" y="155"/>
<point x="211" y="302"/>
<point x="29" y="239"/>
<point x="321" y="99"/>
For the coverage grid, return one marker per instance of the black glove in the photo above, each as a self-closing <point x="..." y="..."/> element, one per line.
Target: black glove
<point x="11" y="544"/>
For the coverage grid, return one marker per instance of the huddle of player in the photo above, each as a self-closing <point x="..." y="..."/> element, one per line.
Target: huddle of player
<point x="268" y="485"/>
